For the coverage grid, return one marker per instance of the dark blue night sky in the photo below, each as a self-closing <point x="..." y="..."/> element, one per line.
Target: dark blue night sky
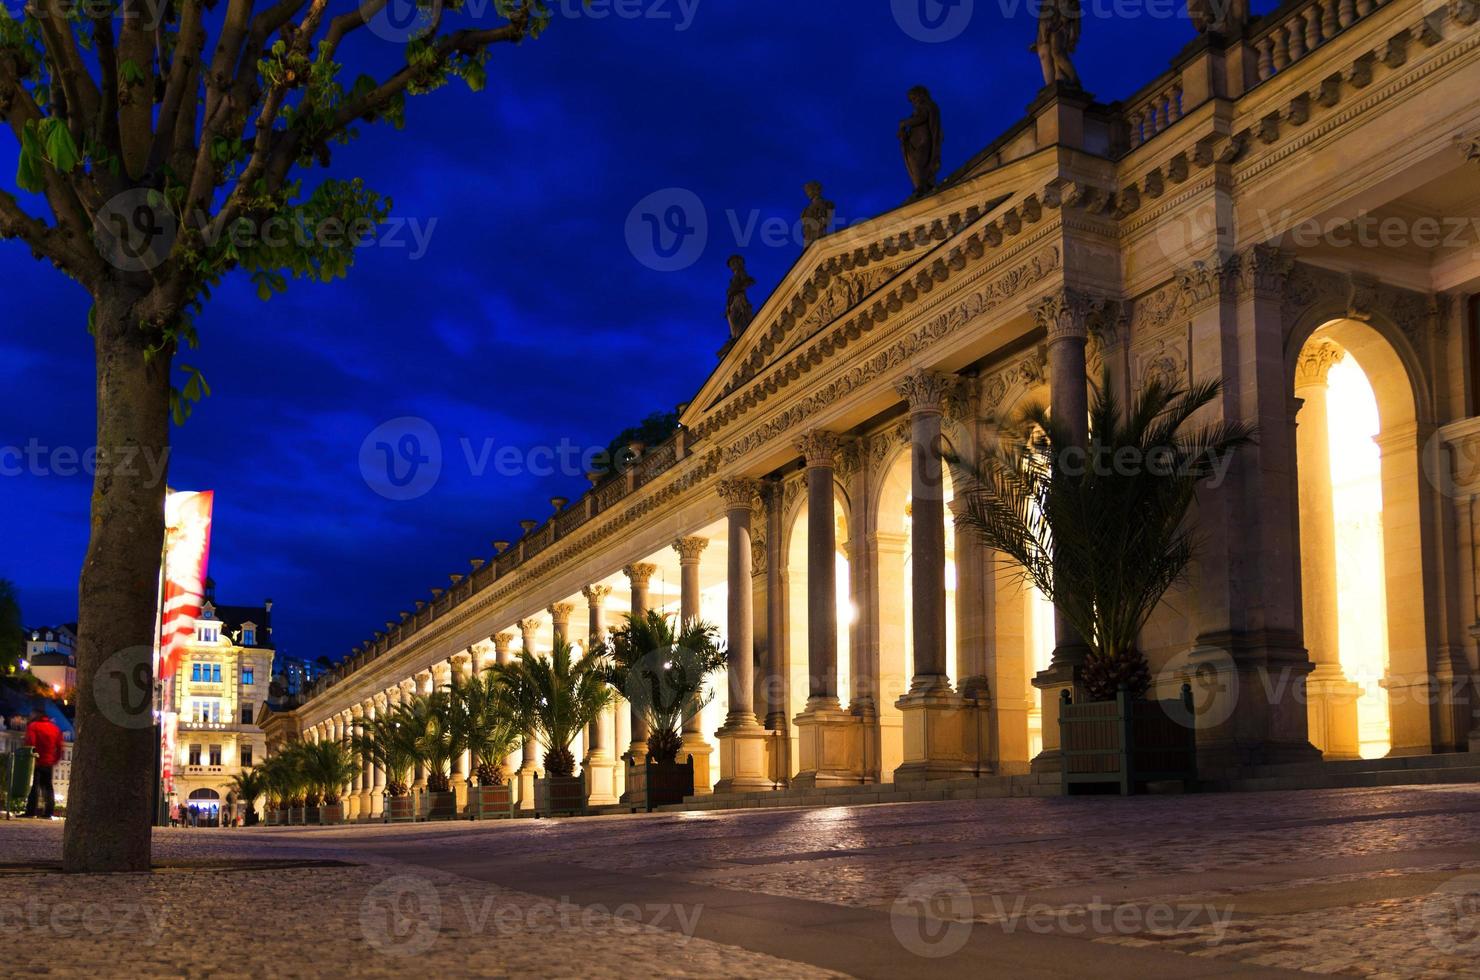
<point x="527" y="320"/>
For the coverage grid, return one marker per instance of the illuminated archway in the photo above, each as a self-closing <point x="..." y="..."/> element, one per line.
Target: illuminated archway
<point x="1363" y="608"/>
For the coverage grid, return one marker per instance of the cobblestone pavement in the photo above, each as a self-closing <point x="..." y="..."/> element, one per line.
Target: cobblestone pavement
<point x="1371" y="882"/>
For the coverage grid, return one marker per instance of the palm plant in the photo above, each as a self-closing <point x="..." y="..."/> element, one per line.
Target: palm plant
<point x="486" y="717"/>
<point x="327" y="767"/>
<point x="1103" y="533"/>
<point x="437" y="739"/>
<point x="249" y="787"/>
<point x="662" y="670"/>
<point x="388" y="741"/>
<point x="286" y="775"/>
<point x="557" y="696"/>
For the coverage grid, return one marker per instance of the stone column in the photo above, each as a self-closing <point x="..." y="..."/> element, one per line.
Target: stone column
<point x="462" y="669"/>
<point x="934" y="715"/>
<point x="1331" y="698"/>
<point x="529" y="757"/>
<point x="503" y="654"/>
<point x="742" y="741"/>
<point x="640" y="576"/>
<point x="349" y="793"/>
<point x="975" y="615"/>
<point x="829" y="739"/>
<point x="598" y="764"/>
<point x="378" y="707"/>
<point x="777" y="681"/>
<point x="690" y="551"/>
<point x="422" y="688"/>
<point x="365" y="778"/>
<point x="1064" y="315"/>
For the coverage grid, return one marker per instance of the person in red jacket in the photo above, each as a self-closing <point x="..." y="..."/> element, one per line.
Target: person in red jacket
<point x="45" y="737"/>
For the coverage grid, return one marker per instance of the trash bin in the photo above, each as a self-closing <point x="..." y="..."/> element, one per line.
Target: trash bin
<point x="22" y="767"/>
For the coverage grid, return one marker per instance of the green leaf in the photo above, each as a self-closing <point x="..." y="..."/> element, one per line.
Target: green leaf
<point x="29" y="172"/>
<point x="61" y="150"/>
<point x="129" y="73"/>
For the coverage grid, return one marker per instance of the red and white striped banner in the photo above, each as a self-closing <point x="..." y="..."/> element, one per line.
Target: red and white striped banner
<point x="187" y="548"/>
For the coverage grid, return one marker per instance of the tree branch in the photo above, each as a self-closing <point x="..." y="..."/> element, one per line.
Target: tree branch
<point x="181" y="80"/>
<point x="61" y="50"/>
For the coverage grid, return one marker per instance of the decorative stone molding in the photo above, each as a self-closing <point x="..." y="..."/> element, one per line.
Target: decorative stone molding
<point x="1361" y="296"/>
<point x="1418" y="316"/>
<point x="1262" y="271"/>
<point x="1464" y="12"/>
<point x="596" y="594"/>
<point x="820" y="447"/>
<point x="527" y="629"/>
<point x="640" y="574"/>
<point x="927" y="391"/>
<point x="739" y="494"/>
<point x="1006" y="286"/>
<point x="1164" y="357"/>
<point x="560" y="614"/>
<point x="690" y="549"/>
<point x="1022" y="374"/>
<point x="1315" y="362"/>
<point x="1206" y="283"/>
<point x="1469" y="146"/>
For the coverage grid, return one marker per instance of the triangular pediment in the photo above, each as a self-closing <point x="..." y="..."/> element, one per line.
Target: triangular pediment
<point x="858" y="267"/>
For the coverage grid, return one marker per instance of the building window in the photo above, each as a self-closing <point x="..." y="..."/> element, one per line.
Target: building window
<point x="248" y="674"/>
<point x="249" y="637"/>
<point x="204" y="710"/>
<point x="246" y="755"/>
<point x="246" y="714"/>
<point x="195" y="671"/>
<point x="215" y="673"/>
<point x="195" y="755"/>
<point x="215" y="755"/>
<point x="208" y="634"/>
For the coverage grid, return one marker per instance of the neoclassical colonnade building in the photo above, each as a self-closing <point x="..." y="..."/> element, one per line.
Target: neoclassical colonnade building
<point x="1288" y="209"/>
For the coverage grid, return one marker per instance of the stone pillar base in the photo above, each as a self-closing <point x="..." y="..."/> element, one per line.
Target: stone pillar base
<point x="934" y="737"/>
<point x="598" y="768"/>
<point x="351" y="803"/>
<point x="362" y="805"/>
<point x="1248" y="694"/>
<point x="1331" y="701"/>
<point x="377" y="803"/>
<point x="694" y="744"/>
<point x="829" y="746"/>
<point x="744" y="757"/>
<point x="524" y="778"/>
<point x="1051" y="684"/>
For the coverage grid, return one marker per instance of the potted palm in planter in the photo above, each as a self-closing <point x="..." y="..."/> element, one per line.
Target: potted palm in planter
<point x="558" y="695"/>
<point x="438" y="742"/>
<point x="488" y="721"/>
<point x="389" y="742"/>
<point x="249" y="787"/>
<point x="663" y="671"/>
<point x="328" y="766"/>
<point x="1103" y="534"/>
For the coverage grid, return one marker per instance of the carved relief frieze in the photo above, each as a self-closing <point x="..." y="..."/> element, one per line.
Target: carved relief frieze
<point x="1166" y="358"/>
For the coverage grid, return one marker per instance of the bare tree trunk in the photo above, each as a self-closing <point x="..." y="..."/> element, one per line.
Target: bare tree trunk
<point x="110" y="798"/>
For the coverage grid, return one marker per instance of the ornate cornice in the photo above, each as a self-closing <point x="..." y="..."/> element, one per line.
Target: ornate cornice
<point x="1262" y="271"/>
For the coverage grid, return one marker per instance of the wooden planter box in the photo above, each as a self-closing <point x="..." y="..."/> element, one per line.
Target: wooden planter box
<point x="400" y="809"/>
<point x="272" y="818"/>
<point x="331" y="813"/>
<point x="492" y="802"/>
<point x="560" y="796"/>
<point x="441" y="806"/>
<point x="654" y="784"/>
<point x="295" y="816"/>
<point x="250" y="818"/>
<point x="1126" y="743"/>
<point x="311" y="815"/>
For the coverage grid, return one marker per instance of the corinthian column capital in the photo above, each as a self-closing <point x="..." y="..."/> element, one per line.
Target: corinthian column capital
<point x="689" y="549"/>
<point x="1065" y="314"/>
<point x="1315" y="363"/>
<point x="596" y="594"/>
<point x="739" y="494"/>
<point x="927" y="391"/>
<point x="820" y="447"/>
<point x="640" y="574"/>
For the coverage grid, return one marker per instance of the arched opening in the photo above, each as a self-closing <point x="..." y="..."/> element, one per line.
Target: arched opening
<point x="798" y="667"/>
<point x="1361" y="574"/>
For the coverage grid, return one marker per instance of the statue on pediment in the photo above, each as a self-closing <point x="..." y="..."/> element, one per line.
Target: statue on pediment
<point x="1058" y="36"/>
<point x="920" y="138"/>
<point x="817" y="219"/>
<point x="737" y="304"/>
<point x="1226" y="17"/>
